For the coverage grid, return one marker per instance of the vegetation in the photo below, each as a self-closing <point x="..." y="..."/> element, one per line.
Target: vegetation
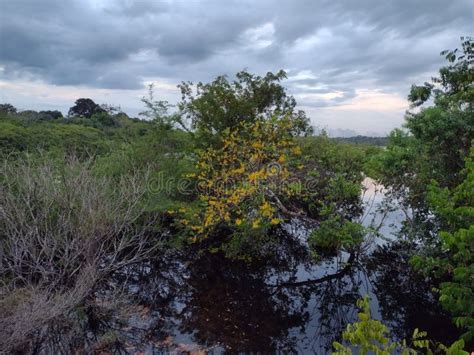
<point x="369" y="336"/>
<point x="455" y="256"/>
<point x="377" y="141"/>
<point x="428" y="168"/>
<point x="227" y="173"/>
<point x="63" y="231"/>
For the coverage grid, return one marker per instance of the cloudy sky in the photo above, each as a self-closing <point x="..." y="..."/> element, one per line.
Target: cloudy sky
<point x="350" y="63"/>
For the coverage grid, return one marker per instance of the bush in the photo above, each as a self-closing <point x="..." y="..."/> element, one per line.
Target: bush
<point x="62" y="231"/>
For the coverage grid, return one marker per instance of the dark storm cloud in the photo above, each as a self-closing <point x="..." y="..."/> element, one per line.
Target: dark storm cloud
<point x="339" y="45"/>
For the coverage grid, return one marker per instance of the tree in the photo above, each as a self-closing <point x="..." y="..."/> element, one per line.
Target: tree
<point x="157" y="111"/>
<point x="429" y="169"/>
<point x="7" y="109"/>
<point x="446" y="129"/>
<point x="50" y="115"/>
<point x="436" y="140"/>
<point x="455" y="260"/>
<point x="257" y="177"/>
<point x="242" y="184"/>
<point x="224" y="104"/>
<point x="85" y="108"/>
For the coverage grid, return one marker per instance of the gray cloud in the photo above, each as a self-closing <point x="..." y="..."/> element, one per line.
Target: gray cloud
<point x="338" y="46"/>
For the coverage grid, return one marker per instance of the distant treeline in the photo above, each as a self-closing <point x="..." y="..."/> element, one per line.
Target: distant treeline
<point x="377" y="141"/>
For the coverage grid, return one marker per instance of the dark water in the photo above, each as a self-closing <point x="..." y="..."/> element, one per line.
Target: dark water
<point x="287" y="303"/>
<point x="190" y="302"/>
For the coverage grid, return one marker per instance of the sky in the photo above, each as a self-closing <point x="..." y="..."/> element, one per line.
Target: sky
<point x="350" y="63"/>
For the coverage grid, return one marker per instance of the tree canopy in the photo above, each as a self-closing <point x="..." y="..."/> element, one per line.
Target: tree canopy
<point x="211" y="108"/>
<point x="85" y="108"/>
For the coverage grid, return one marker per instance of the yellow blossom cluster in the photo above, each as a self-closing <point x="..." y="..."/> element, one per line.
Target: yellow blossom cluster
<point x="234" y="177"/>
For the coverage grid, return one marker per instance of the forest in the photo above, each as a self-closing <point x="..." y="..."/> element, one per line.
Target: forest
<point x="222" y="223"/>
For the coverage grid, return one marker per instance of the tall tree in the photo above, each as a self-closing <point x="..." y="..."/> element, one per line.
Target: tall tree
<point x="209" y="109"/>
<point x="85" y="108"/>
<point x="446" y="128"/>
<point x="8" y="109"/>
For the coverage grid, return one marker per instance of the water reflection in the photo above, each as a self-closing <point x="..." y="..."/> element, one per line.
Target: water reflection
<point x="290" y="304"/>
<point x="211" y="302"/>
<point x="188" y="301"/>
<point x="405" y="298"/>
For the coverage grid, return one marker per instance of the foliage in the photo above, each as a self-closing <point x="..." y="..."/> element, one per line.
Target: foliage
<point x="50" y="115"/>
<point x="12" y="136"/>
<point x="157" y="111"/>
<point x="333" y="172"/>
<point x="369" y="336"/>
<point x="260" y="176"/>
<point x="423" y="167"/>
<point x="439" y="136"/>
<point x="69" y="138"/>
<point x="85" y="108"/>
<point x="49" y="131"/>
<point x="376" y="141"/>
<point x="434" y="144"/>
<point x="336" y="233"/>
<point x="62" y="230"/>
<point x="222" y="105"/>
<point x="242" y="184"/>
<point x="455" y="260"/>
<point x="7" y="109"/>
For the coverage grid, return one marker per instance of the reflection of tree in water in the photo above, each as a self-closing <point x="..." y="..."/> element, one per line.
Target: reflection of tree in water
<point x="263" y="306"/>
<point x="230" y="304"/>
<point x="336" y="309"/>
<point x="331" y="304"/>
<point x="154" y="287"/>
<point x="405" y="297"/>
<point x="284" y="301"/>
<point x="216" y="301"/>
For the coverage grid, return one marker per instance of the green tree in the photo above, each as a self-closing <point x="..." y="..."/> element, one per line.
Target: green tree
<point x="425" y="168"/>
<point x="454" y="261"/>
<point x="85" y="108"/>
<point x="446" y="129"/>
<point x="157" y="111"/>
<point x="212" y="108"/>
<point x="438" y="136"/>
<point x="7" y="109"/>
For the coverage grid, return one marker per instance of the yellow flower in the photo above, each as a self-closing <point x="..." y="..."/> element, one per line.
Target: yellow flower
<point x="238" y="221"/>
<point x="266" y="209"/>
<point x="296" y="150"/>
<point x="282" y="159"/>
<point x="256" y="224"/>
<point x="253" y="176"/>
<point x="239" y="170"/>
<point x="275" y="221"/>
<point x="197" y="229"/>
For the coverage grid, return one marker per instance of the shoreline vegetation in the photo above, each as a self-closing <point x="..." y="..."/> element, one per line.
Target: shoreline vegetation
<point x="224" y="219"/>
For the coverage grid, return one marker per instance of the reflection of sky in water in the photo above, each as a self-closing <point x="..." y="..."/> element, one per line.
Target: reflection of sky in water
<point x="373" y="198"/>
<point x="311" y="340"/>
